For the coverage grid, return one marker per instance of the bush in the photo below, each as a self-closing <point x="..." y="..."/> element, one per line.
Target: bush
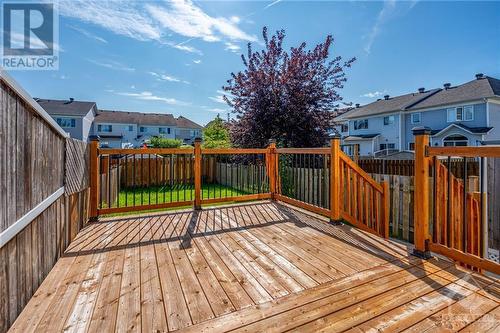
<point x="161" y="142"/>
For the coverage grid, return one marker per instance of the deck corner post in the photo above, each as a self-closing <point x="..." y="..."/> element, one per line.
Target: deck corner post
<point x="271" y="166"/>
<point x="197" y="173"/>
<point x="335" y="179"/>
<point x="94" y="176"/>
<point x="422" y="194"/>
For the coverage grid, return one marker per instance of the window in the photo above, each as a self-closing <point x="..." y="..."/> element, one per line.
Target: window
<point x="411" y="145"/>
<point x="344" y="128"/>
<point x="66" y="122"/>
<point x="161" y="130"/>
<point x="104" y="128"/>
<point x="361" y="124"/>
<point x="415" y="118"/>
<point x="384" y="146"/>
<point x="468" y="112"/>
<point x="168" y="130"/>
<point x="460" y="113"/>
<point x="455" y="141"/>
<point x="130" y="128"/>
<point x="143" y="129"/>
<point x="388" y="120"/>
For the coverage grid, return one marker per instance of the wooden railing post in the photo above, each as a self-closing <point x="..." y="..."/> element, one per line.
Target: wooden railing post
<point x="385" y="208"/>
<point x="271" y="167"/>
<point x="94" y="176"/>
<point x="356" y="153"/>
<point x="335" y="179"/>
<point x="422" y="193"/>
<point x="197" y="173"/>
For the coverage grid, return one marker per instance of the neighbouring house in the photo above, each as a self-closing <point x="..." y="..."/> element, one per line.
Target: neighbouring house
<point x="122" y="129"/>
<point x="75" y="117"/>
<point x="467" y="114"/>
<point x="117" y="129"/>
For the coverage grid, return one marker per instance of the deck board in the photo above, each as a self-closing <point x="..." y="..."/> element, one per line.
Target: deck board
<point x="247" y="268"/>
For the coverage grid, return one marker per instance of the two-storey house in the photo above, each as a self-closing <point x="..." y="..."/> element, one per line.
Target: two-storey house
<point x="75" y="117"/>
<point x="119" y="129"/>
<point x="467" y="114"/>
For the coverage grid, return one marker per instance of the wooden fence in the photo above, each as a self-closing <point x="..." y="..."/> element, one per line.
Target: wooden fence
<point x="407" y="167"/>
<point x="493" y="188"/>
<point x="38" y="219"/>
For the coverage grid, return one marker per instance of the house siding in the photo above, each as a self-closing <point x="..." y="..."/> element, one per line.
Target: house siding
<point x="388" y="133"/>
<point x="494" y="121"/>
<point x="437" y="120"/>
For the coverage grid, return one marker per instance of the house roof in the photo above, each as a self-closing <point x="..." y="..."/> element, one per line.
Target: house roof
<point x="481" y="87"/>
<point x="476" y="89"/>
<point x="472" y="130"/>
<point x="360" y="137"/>
<point x="128" y="117"/>
<point x="65" y="107"/>
<point x="183" y="122"/>
<point x="396" y="103"/>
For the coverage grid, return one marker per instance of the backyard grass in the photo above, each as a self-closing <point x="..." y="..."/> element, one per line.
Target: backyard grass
<point x="164" y="194"/>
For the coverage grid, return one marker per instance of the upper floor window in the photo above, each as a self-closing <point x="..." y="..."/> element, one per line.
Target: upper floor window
<point x="142" y="129"/>
<point x="415" y="118"/>
<point x="168" y="130"/>
<point x="130" y="128"/>
<point x="384" y="146"/>
<point x="344" y="128"/>
<point x="361" y="124"/>
<point x="411" y="145"/>
<point x="162" y="130"/>
<point x="460" y="113"/>
<point x="388" y="120"/>
<point x="66" y="122"/>
<point x="104" y="128"/>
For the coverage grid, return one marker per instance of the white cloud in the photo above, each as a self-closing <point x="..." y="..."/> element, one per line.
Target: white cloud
<point x="384" y="14"/>
<point x="88" y="34"/>
<point x="121" y="17"/>
<point x="149" y="96"/>
<point x="115" y="65"/>
<point x="218" y="110"/>
<point x="272" y="4"/>
<point x="185" y="48"/>
<point x="165" y="77"/>
<point x="186" y="19"/>
<point x="197" y="61"/>
<point x="218" y="99"/>
<point x="232" y="47"/>
<point x="372" y="94"/>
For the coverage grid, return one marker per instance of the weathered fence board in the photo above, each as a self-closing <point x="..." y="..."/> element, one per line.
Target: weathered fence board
<point x="77" y="166"/>
<point x="493" y="189"/>
<point x="407" y="167"/>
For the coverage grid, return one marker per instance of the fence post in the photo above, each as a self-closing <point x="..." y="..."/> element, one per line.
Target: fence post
<point x="386" y="207"/>
<point x="271" y="167"/>
<point x="94" y="176"/>
<point x="422" y="194"/>
<point x="335" y="179"/>
<point x="197" y="173"/>
<point x="356" y="153"/>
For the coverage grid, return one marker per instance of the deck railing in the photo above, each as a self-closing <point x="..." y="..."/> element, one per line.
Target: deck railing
<point x="322" y="180"/>
<point x="459" y="225"/>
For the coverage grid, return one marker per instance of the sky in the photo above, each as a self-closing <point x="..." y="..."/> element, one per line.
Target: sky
<point x="174" y="56"/>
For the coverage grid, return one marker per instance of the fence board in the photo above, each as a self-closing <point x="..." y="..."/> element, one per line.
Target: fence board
<point x="77" y="166"/>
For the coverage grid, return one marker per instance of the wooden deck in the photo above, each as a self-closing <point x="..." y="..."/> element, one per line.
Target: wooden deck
<point x="256" y="268"/>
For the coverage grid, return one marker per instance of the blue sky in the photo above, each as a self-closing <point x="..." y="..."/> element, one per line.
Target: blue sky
<point x="173" y="57"/>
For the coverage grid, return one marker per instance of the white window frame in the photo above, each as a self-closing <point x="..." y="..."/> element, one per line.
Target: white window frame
<point x="419" y="118"/>
<point x="389" y="120"/>
<point x="453" y="114"/>
<point x="60" y="122"/>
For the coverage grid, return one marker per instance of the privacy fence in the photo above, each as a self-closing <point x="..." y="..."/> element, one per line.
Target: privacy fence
<point x="44" y="196"/>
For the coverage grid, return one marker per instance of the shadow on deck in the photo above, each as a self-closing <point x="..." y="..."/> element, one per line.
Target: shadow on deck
<point x="255" y="267"/>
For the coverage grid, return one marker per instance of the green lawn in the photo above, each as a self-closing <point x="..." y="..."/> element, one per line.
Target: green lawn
<point x="164" y="194"/>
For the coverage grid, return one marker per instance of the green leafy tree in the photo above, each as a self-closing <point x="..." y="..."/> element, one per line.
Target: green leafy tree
<point x="216" y="134"/>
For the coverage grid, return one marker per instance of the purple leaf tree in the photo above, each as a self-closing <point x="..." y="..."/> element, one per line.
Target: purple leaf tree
<point x="286" y="96"/>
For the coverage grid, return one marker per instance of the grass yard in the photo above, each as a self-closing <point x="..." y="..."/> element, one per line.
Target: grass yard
<point x="164" y="194"/>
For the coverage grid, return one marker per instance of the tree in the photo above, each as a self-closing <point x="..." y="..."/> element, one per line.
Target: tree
<point x="216" y="134"/>
<point x="286" y="96"/>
